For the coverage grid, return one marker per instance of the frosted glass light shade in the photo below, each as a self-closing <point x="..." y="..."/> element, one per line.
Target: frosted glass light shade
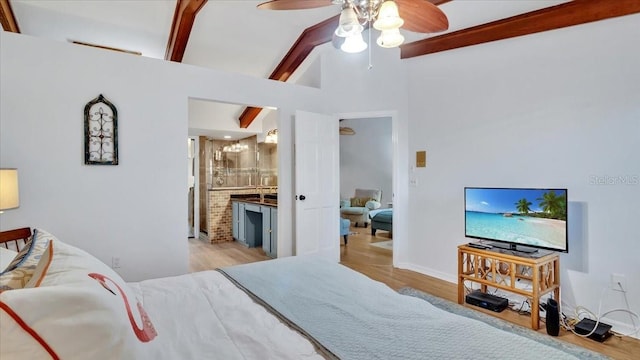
<point x="348" y="25"/>
<point x="354" y="44"/>
<point x="9" y="196"/>
<point x="388" y="17"/>
<point x="390" y="38"/>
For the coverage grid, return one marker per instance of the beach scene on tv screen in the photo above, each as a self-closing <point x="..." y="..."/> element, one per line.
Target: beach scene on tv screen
<point x="534" y="217"/>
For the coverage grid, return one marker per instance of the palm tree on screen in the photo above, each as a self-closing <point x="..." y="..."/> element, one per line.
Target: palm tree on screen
<point x="523" y="206"/>
<point x="553" y="204"/>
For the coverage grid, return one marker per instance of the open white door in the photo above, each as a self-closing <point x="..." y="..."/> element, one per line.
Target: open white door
<point x="317" y="185"/>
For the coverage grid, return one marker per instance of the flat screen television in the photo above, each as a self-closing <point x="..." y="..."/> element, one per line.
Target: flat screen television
<point x="519" y="219"/>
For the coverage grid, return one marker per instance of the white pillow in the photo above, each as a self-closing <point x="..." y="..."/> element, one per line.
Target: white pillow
<point x="372" y="205"/>
<point x="74" y="307"/>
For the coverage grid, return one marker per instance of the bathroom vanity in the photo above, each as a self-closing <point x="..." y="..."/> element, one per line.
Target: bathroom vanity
<point x="219" y="211"/>
<point x="255" y="221"/>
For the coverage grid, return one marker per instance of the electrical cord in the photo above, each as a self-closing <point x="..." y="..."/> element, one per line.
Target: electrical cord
<point x="580" y="311"/>
<point x="515" y="306"/>
<point x="521" y="310"/>
<point x="636" y="328"/>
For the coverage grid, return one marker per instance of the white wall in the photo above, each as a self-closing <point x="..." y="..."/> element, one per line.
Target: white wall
<point x="366" y="157"/>
<point x="361" y="91"/>
<point x="546" y="110"/>
<point x="211" y="115"/>
<point x="110" y="211"/>
<point x="136" y="210"/>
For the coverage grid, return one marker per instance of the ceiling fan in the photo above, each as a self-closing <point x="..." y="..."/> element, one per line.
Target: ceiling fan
<point x="345" y="130"/>
<point x="385" y="15"/>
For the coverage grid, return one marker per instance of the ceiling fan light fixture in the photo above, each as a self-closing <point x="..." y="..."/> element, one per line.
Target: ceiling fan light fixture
<point x="354" y="44"/>
<point x="388" y="17"/>
<point x="390" y="38"/>
<point x="421" y="16"/>
<point x="346" y="131"/>
<point x="348" y="24"/>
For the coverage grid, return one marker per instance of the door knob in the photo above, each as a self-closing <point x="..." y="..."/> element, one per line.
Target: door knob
<point x="302" y="197"/>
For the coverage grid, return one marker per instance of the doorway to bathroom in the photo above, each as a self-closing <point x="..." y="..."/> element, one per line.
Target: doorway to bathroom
<point x="228" y="161"/>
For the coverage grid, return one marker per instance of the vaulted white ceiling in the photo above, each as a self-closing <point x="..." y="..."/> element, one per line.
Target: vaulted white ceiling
<point x="230" y="35"/>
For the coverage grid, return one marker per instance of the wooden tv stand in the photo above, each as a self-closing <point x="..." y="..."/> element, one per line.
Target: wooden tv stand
<point x="500" y="269"/>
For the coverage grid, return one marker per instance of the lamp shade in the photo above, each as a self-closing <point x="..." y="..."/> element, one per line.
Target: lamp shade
<point x="348" y="24"/>
<point x="388" y="17"/>
<point x="390" y="38"/>
<point x="354" y="44"/>
<point x="9" y="197"/>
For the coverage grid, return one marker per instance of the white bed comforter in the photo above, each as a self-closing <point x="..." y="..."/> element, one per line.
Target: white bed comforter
<point x="204" y="316"/>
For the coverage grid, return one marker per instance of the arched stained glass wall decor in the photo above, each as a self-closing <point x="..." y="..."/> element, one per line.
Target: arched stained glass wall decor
<point x="100" y="132"/>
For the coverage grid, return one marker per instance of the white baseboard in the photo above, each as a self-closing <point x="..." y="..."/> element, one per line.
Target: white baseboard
<point x="430" y="272"/>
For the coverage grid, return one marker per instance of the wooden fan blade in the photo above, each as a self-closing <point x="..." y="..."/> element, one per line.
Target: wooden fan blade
<point x="422" y="16"/>
<point x="293" y="4"/>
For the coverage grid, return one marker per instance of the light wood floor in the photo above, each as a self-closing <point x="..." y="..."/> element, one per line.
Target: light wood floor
<point x="376" y="263"/>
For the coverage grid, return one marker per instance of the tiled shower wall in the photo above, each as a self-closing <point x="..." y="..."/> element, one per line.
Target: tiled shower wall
<point x="267" y="164"/>
<point x="232" y="169"/>
<point x="256" y="166"/>
<point x="220" y="171"/>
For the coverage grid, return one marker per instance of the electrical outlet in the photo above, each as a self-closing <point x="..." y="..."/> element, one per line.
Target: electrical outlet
<point x="115" y="262"/>
<point x="618" y="282"/>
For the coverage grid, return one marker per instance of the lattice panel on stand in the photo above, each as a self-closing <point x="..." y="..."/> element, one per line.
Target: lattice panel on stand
<point x="548" y="277"/>
<point x="504" y="271"/>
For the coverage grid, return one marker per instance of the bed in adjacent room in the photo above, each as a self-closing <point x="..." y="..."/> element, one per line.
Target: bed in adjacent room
<point x="75" y="307"/>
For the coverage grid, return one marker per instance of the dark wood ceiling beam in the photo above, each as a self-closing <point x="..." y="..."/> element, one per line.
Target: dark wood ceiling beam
<point x="555" y="17"/>
<point x="310" y="38"/>
<point x="183" y="19"/>
<point x="7" y="18"/>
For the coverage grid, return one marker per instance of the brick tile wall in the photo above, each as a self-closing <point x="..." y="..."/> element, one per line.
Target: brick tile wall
<point x="219" y="212"/>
